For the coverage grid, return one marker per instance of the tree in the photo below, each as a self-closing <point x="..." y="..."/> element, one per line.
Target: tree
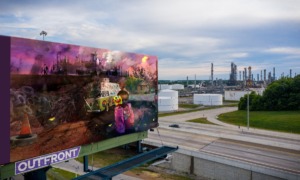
<point x="283" y="94"/>
<point x="254" y="102"/>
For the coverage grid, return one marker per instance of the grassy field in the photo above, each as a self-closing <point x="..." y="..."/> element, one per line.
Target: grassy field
<point x="190" y="106"/>
<point x="285" y="121"/>
<point x="200" y="120"/>
<point x="59" y="174"/>
<point x="194" y="110"/>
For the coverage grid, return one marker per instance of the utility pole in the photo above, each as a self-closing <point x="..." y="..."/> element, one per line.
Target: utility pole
<point x="248" y="109"/>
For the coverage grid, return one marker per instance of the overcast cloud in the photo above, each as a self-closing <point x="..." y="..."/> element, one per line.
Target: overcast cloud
<point x="187" y="36"/>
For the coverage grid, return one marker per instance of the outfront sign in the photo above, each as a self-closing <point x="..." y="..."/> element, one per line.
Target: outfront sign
<point x="46" y="160"/>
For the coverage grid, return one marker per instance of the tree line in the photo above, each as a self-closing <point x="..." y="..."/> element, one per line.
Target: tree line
<point x="283" y="94"/>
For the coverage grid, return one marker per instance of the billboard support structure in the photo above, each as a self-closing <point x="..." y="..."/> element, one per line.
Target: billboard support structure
<point x="8" y="170"/>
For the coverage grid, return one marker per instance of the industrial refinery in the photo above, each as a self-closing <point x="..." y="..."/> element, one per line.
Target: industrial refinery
<point x="211" y="92"/>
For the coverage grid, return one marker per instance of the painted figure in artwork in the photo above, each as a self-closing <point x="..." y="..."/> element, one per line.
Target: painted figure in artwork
<point x="124" y="117"/>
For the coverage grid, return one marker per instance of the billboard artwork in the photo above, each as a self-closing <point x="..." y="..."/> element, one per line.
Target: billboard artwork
<point x="63" y="96"/>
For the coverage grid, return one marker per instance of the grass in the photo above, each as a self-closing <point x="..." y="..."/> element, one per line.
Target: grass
<point x="56" y="173"/>
<point x="202" y="120"/>
<point x="107" y="157"/>
<point x="194" y="110"/>
<point x="284" y="121"/>
<point x="190" y="106"/>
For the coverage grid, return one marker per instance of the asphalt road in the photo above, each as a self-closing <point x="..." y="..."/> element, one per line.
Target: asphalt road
<point x="271" y="149"/>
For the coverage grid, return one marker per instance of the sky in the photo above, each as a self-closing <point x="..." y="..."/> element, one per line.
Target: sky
<point x="186" y="35"/>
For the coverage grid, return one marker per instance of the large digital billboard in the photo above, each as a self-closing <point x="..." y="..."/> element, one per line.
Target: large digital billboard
<point x="61" y="96"/>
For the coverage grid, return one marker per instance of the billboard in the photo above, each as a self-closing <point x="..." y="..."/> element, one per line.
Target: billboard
<point x="60" y="96"/>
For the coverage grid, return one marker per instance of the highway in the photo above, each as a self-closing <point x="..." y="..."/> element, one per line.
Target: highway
<point x="265" y="148"/>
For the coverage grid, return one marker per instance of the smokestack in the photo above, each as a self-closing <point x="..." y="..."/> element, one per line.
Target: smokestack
<point x="273" y="73"/>
<point x="187" y="81"/>
<point x="249" y="73"/>
<point x="212" y="73"/>
<point x="195" y="82"/>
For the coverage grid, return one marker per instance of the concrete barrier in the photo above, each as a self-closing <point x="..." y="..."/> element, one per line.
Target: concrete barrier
<point x="214" y="166"/>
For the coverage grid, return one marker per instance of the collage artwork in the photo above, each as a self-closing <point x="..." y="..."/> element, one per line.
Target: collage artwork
<point x="63" y="95"/>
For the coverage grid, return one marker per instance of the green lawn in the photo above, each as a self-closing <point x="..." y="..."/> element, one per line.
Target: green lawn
<point x="163" y="114"/>
<point x="285" y="121"/>
<point x="188" y="105"/>
<point x="200" y="120"/>
<point x="59" y="174"/>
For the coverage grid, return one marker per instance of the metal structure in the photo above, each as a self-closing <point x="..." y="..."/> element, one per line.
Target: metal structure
<point x="109" y="171"/>
<point x="8" y="170"/>
<point x="249" y="73"/>
<point x="187" y="81"/>
<point x="274" y="78"/>
<point x="233" y="75"/>
<point x="212" y="74"/>
<point x="269" y="77"/>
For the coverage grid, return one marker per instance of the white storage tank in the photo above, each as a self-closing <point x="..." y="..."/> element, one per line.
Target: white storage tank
<point x="164" y="86"/>
<point x="177" y="86"/>
<point x="167" y="100"/>
<point x="208" y="99"/>
<point x="234" y="95"/>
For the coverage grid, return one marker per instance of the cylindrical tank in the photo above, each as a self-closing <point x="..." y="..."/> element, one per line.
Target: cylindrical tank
<point x="177" y="86"/>
<point x="208" y="99"/>
<point x="167" y="100"/>
<point x="164" y="86"/>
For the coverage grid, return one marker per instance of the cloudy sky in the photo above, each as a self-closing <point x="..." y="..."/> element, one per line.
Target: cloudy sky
<point x="186" y="35"/>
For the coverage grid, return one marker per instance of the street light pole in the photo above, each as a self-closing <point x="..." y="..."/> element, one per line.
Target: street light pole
<point x="248" y="109"/>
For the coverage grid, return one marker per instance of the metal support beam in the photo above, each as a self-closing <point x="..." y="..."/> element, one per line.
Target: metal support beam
<point x="86" y="164"/>
<point x="139" y="147"/>
<point x="114" y="169"/>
